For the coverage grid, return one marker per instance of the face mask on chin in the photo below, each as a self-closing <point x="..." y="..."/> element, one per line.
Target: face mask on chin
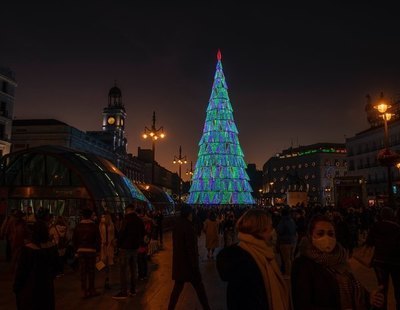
<point x="325" y="244"/>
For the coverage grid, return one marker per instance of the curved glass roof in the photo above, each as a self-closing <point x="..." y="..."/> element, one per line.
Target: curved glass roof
<point x="60" y="167"/>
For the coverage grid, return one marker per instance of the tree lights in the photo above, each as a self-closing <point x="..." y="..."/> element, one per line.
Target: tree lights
<point x="220" y="175"/>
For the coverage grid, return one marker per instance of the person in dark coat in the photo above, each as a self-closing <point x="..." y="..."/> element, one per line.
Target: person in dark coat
<point x="287" y="236"/>
<point x="37" y="267"/>
<point x="321" y="275"/>
<point x="254" y="279"/>
<point x="385" y="237"/>
<point x="86" y="240"/>
<point x="185" y="259"/>
<point x="130" y="237"/>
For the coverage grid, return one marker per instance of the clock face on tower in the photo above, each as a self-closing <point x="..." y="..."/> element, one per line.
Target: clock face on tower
<point x="111" y="120"/>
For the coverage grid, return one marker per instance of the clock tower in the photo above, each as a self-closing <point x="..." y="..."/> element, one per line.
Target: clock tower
<point x="114" y="116"/>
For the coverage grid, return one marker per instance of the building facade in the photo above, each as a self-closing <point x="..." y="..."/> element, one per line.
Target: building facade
<point x="311" y="169"/>
<point x="363" y="149"/>
<point x="7" y="95"/>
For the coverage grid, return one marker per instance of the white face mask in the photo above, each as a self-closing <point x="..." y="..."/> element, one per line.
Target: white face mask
<point x="324" y="244"/>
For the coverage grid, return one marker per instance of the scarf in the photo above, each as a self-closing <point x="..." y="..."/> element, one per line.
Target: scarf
<point x="275" y="286"/>
<point x="352" y="295"/>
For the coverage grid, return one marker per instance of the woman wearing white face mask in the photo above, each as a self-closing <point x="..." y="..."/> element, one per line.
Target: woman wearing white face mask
<point x="321" y="275"/>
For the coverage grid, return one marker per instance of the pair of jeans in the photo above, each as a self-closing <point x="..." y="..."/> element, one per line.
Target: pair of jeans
<point x="383" y="271"/>
<point x="286" y="251"/>
<point x="87" y="263"/>
<point x="142" y="265"/>
<point x="128" y="257"/>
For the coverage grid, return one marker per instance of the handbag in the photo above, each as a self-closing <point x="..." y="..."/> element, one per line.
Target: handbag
<point x="364" y="255"/>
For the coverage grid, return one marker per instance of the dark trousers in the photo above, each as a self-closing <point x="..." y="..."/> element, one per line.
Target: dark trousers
<point x="87" y="263"/>
<point x="142" y="265"/>
<point x="160" y="234"/>
<point x="200" y="291"/>
<point x="127" y="258"/>
<point x="383" y="271"/>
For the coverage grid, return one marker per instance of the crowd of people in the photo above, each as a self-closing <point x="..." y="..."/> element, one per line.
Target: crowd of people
<point x="271" y="257"/>
<point x="292" y="258"/>
<point x="40" y="245"/>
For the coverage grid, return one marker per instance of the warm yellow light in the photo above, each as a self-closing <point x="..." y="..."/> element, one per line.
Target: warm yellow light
<point x="162" y="135"/>
<point x="382" y="107"/>
<point x="174" y="161"/>
<point x="388" y="116"/>
<point x="398" y="165"/>
<point x="155" y="137"/>
<point x="185" y="162"/>
<point x="260" y="190"/>
<point x="147" y="187"/>
<point x="144" y="136"/>
<point x="151" y="134"/>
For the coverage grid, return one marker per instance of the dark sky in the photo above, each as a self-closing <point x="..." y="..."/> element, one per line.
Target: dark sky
<point x="295" y="74"/>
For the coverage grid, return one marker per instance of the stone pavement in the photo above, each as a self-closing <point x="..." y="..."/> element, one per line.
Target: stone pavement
<point x="153" y="294"/>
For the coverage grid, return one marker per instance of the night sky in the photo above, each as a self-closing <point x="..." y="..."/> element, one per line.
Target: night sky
<point x="296" y="75"/>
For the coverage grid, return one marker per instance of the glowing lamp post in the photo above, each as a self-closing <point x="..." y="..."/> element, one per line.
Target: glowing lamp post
<point x="154" y="134"/>
<point x="180" y="160"/>
<point x="386" y="157"/>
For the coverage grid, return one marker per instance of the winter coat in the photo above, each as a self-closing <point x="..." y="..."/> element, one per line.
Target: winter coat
<point x="36" y="270"/>
<point x="107" y="234"/>
<point x="86" y="237"/>
<point x="385" y="236"/>
<point x="58" y="234"/>
<point x="246" y="289"/>
<point x="211" y="230"/>
<point x="286" y="230"/>
<point x="185" y="256"/>
<point x="313" y="286"/>
<point x="132" y="232"/>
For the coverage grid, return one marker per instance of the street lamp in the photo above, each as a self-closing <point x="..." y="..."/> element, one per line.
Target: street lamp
<point x="260" y="196"/>
<point x="386" y="157"/>
<point x="190" y="172"/>
<point x="180" y="160"/>
<point x="154" y="134"/>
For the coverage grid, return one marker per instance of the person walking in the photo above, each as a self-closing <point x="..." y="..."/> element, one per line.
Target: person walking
<point x="384" y="235"/>
<point x="286" y="234"/>
<point x="159" y="218"/>
<point x="185" y="259"/>
<point x="229" y="229"/>
<point x="321" y="276"/>
<point x="36" y="269"/>
<point x="17" y="232"/>
<point x="130" y="237"/>
<point x="58" y="234"/>
<point x="107" y="234"/>
<point x="86" y="240"/>
<point x="212" y="238"/>
<point x="250" y="268"/>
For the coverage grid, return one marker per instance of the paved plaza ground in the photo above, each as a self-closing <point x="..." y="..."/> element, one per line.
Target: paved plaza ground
<point x="153" y="294"/>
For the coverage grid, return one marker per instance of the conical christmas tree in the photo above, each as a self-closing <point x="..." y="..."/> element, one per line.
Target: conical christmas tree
<point x="220" y="176"/>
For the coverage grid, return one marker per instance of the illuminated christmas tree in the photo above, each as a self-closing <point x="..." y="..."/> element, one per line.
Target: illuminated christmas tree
<point x="220" y="176"/>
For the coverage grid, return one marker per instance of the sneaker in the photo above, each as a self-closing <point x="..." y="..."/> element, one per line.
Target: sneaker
<point x="132" y="292"/>
<point x="120" y="295"/>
